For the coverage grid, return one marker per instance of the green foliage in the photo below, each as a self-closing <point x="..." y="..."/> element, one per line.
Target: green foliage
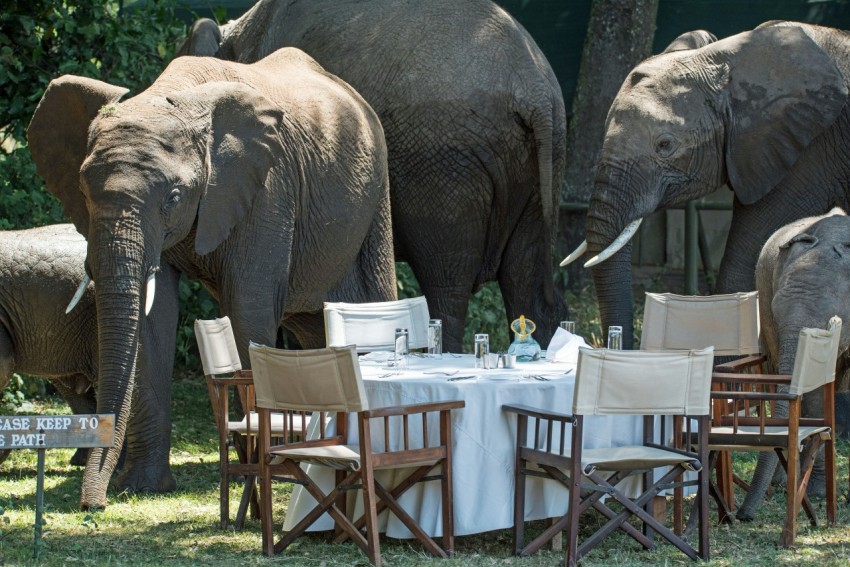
<point x="43" y="39"/>
<point x="18" y="393"/>
<point x="39" y="41"/>
<point x="195" y="303"/>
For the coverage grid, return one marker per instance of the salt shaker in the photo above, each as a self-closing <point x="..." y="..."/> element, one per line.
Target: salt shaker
<point x="482" y="350"/>
<point x="401" y="348"/>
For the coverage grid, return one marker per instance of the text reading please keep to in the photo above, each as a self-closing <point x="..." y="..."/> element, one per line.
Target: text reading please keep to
<point x="54" y="431"/>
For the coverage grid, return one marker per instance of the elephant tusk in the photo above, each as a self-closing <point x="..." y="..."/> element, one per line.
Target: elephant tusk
<point x="150" y="292"/>
<point x="78" y="294"/>
<point x="574" y="255"/>
<point x="615" y="246"/>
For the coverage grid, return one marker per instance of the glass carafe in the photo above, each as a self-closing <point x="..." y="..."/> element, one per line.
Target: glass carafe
<point x="524" y="347"/>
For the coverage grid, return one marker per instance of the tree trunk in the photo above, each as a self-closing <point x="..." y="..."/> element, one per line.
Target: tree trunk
<point x="619" y="36"/>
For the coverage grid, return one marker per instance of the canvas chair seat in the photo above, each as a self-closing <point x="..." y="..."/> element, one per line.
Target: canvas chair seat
<point x="633" y="457"/>
<point x="278" y="428"/>
<point x="752" y="438"/>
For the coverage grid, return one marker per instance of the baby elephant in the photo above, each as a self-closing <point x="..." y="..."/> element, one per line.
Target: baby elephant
<point x="40" y="270"/>
<point x="803" y="279"/>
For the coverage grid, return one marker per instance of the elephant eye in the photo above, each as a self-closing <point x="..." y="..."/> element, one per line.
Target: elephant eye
<point x="665" y="145"/>
<point x="807" y="239"/>
<point x="172" y="198"/>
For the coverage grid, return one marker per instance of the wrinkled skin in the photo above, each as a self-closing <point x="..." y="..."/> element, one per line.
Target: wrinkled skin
<point x="267" y="182"/>
<point x="803" y="279"/>
<point x="763" y="112"/>
<point x="41" y="269"/>
<point x="475" y="128"/>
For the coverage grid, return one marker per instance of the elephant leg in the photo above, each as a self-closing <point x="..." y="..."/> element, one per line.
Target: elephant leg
<point x="7" y="364"/>
<point x="766" y="470"/>
<point x="148" y="440"/>
<point x="525" y="278"/>
<point x="308" y="329"/>
<point x="77" y="392"/>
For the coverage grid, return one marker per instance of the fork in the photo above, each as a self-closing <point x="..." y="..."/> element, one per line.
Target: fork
<point x="457" y="378"/>
<point x="442" y="372"/>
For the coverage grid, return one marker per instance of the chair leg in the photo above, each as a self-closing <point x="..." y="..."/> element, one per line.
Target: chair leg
<point x="266" y="512"/>
<point x="789" y="531"/>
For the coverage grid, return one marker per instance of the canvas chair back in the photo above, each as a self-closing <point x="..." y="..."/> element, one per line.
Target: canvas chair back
<point x="371" y="326"/>
<point x="308" y="380"/>
<point x="217" y="346"/>
<point x="814" y="364"/>
<point x="643" y="383"/>
<point x="728" y="322"/>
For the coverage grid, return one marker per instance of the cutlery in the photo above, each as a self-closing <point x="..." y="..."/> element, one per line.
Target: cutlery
<point x="450" y="373"/>
<point x="456" y="378"/>
<point x="537" y="377"/>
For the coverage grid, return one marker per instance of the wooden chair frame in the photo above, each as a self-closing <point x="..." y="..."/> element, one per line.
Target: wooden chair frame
<point x="759" y="391"/>
<point x="355" y="462"/>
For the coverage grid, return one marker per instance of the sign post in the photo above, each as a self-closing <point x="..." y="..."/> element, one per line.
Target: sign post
<point x="42" y="432"/>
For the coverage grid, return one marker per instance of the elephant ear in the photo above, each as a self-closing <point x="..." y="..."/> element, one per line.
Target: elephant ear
<point x="691" y="40"/>
<point x="203" y="41"/>
<point x="244" y="145"/>
<point x="784" y="91"/>
<point x="58" y="136"/>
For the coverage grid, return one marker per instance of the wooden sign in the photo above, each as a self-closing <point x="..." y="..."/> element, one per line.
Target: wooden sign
<point x="55" y="431"/>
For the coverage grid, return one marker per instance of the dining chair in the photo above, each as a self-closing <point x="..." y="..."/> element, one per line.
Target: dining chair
<point x="729" y="323"/>
<point x="794" y="438"/>
<point x="328" y="381"/>
<point x="237" y="427"/>
<point x="609" y="383"/>
<point x="371" y="326"/>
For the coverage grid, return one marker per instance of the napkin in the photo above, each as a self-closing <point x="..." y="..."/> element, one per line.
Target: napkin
<point x="564" y="346"/>
<point x="378" y="356"/>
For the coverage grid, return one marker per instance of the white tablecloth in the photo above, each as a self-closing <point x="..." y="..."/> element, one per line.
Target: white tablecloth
<point x="484" y="439"/>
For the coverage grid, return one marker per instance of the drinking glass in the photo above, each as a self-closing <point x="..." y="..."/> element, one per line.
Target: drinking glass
<point x="615" y="337"/>
<point x="435" y="337"/>
<point x="401" y="348"/>
<point x="569" y="326"/>
<point x="482" y="350"/>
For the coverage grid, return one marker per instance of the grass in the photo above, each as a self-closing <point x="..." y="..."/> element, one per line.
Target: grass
<point x="181" y="528"/>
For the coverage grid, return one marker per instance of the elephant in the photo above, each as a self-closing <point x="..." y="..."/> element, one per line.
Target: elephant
<point x="266" y="182"/>
<point x="41" y="268"/>
<point x="803" y="279"/>
<point x="475" y="127"/>
<point x="763" y="112"/>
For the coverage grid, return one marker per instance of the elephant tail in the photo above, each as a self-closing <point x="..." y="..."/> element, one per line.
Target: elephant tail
<point x="548" y="124"/>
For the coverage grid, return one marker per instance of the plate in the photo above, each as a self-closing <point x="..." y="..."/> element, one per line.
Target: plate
<point x="500" y="377"/>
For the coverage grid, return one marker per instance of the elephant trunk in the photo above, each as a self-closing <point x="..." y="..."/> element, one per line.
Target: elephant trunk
<point x="118" y="272"/>
<point x="613" y="277"/>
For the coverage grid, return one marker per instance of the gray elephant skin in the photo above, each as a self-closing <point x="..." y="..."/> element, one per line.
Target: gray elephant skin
<point x="40" y="270"/>
<point x="803" y="279"/>
<point x="763" y="112"/>
<point x="266" y="182"/>
<point x="475" y="128"/>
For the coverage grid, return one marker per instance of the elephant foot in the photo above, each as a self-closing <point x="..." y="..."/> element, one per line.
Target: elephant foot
<point x="745" y="515"/>
<point x="816" y="488"/>
<point x="150" y="478"/>
<point x="78" y="459"/>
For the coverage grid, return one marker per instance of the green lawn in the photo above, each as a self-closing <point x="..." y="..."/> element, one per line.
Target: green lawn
<point x="182" y="528"/>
